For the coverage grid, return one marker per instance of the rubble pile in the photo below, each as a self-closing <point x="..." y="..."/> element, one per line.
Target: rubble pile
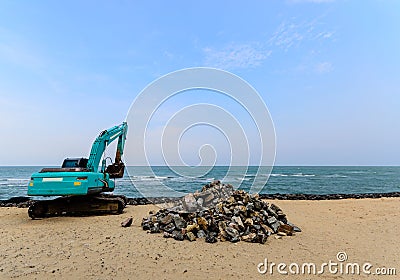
<point x="220" y="212"/>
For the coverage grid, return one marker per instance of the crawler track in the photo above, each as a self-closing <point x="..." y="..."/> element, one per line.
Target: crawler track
<point x="78" y="206"/>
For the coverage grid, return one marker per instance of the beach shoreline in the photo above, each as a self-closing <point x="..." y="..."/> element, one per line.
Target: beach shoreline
<point x="97" y="247"/>
<point x="25" y="201"/>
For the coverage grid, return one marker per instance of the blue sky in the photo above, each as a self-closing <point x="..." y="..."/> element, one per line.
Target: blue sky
<point x="327" y="70"/>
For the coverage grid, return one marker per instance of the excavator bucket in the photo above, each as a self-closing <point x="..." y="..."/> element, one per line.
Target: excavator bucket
<point x="116" y="170"/>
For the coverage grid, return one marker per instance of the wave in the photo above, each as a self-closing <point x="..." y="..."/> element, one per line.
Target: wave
<point x="335" y="176"/>
<point x="14" y="180"/>
<point x="292" y="175"/>
<point x="243" y="179"/>
<point x="150" y="178"/>
<point x="302" y="175"/>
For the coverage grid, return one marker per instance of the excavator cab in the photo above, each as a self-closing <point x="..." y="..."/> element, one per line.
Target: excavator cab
<point x="75" y="163"/>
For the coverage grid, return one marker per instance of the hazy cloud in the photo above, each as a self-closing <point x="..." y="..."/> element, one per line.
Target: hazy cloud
<point x="236" y="56"/>
<point x="324" y="67"/>
<point x="289" y="34"/>
<point x="292" y="33"/>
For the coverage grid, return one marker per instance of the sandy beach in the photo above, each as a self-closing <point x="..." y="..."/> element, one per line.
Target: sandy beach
<point x="97" y="247"/>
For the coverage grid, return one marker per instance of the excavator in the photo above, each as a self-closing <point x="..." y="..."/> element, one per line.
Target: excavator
<point x="80" y="182"/>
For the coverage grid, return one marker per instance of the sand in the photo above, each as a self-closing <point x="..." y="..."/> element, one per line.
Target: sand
<point x="367" y="230"/>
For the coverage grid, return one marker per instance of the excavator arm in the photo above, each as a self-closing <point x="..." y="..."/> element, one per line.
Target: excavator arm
<point x="106" y="137"/>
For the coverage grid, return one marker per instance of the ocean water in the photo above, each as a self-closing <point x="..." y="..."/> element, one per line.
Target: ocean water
<point x="283" y="179"/>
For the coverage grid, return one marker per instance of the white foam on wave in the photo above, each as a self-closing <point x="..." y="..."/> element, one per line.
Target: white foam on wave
<point x="149" y="178"/>
<point x="335" y="176"/>
<point x="292" y="175"/>
<point x="279" y="175"/>
<point x="302" y="175"/>
<point x="17" y="180"/>
<point x="243" y="179"/>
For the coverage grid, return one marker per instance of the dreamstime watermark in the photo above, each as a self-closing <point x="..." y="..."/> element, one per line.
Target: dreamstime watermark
<point x="220" y="84"/>
<point x="338" y="267"/>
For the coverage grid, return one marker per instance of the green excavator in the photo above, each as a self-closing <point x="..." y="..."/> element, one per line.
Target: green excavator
<point x="80" y="182"/>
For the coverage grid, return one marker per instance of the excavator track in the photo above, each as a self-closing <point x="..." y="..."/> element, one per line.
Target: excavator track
<point x="84" y="205"/>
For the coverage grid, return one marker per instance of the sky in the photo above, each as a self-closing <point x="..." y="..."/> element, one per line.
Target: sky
<point x="328" y="72"/>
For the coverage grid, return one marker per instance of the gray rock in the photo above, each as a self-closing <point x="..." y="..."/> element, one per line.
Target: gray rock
<point x="167" y="235"/>
<point x="201" y="234"/>
<point x="233" y="225"/>
<point x="169" y="228"/>
<point x="247" y="230"/>
<point x="295" y="228"/>
<point x="275" y="226"/>
<point x="235" y="239"/>
<point x="189" y="202"/>
<point x="262" y="238"/>
<point x="146" y="224"/>
<point x="208" y="198"/>
<point x="271" y="212"/>
<point x="257" y="205"/>
<point x="155" y="228"/>
<point x="264" y="213"/>
<point x="200" y="202"/>
<point x="266" y="230"/>
<point x="177" y="235"/>
<point x="179" y="222"/>
<point x="272" y="220"/>
<point x="249" y="206"/>
<point x="233" y="233"/>
<point x="227" y="211"/>
<point x="211" y="238"/>
<point x="166" y="219"/>
<point x="237" y="220"/>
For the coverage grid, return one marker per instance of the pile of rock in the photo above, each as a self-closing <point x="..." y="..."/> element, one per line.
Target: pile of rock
<point x="19" y="201"/>
<point x="220" y="212"/>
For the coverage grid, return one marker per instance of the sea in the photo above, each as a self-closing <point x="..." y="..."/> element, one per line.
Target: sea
<point x="159" y="181"/>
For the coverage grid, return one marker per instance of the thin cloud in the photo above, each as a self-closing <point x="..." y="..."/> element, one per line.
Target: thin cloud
<point x="324" y="67"/>
<point x="236" y="56"/>
<point x="286" y="36"/>
<point x="289" y="34"/>
<point x="292" y="33"/>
